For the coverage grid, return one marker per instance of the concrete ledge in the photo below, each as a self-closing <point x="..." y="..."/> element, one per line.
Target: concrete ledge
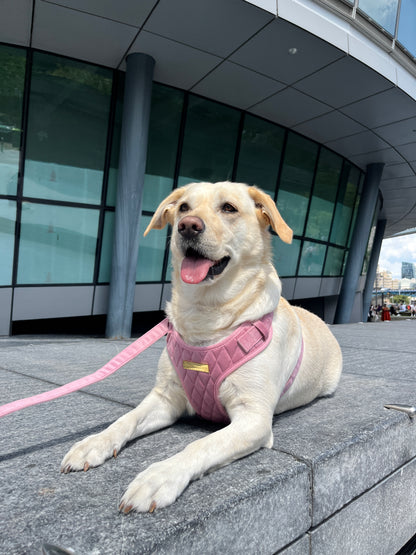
<point x="340" y="477"/>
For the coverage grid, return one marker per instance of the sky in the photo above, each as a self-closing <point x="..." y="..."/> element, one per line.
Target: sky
<point x="396" y="250"/>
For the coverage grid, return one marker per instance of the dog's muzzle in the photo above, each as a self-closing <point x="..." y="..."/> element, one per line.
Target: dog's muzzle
<point x="196" y="267"/>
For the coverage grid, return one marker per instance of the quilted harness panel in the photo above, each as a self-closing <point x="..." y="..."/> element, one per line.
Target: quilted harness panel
<point x="203" y="369"/>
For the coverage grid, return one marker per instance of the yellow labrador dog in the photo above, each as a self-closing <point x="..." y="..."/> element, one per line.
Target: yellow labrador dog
<point x="222" y="277"/>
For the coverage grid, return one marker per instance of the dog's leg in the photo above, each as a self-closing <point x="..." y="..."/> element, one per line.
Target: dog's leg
<point x="161" y="483"/>
<point x="163" y="406"/>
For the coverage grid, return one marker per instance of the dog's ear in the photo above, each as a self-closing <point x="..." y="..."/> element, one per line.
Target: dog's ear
<point x="268" y="214"/>
<point x="163" y="214"/>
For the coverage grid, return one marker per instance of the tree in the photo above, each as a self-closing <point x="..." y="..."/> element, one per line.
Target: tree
<point x="400" y="299"/>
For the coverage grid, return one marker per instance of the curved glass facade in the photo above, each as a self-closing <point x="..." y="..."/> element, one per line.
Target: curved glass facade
<point x="59" y="140"/>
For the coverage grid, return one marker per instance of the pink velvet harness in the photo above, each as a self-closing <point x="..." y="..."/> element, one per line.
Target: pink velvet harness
<point x="203" y="369"/>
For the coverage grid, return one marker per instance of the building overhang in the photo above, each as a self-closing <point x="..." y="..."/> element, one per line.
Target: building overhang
<point x="296" y="63"/>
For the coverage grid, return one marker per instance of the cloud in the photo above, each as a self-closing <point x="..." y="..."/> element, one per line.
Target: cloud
<point x="396" y="250"/>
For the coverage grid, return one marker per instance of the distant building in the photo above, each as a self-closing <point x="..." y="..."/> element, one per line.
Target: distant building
<point x="408" y="270"/>
<point x="406" y="283"/>
<point x="384" y="279"/>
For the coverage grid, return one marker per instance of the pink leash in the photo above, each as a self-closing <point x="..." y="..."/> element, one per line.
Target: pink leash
<point x="115" y="363"/>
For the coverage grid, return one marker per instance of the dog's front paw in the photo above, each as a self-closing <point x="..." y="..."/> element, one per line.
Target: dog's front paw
<point x="157" y="487"/>
<point x="91" y="451"/>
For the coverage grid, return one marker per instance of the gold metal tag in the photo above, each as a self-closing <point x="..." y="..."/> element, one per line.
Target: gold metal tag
<point x="196" y="366"/>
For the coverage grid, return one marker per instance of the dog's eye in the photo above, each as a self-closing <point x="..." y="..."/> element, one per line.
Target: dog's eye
<point x="227" y="207"/>
<point x="184" y="207"/>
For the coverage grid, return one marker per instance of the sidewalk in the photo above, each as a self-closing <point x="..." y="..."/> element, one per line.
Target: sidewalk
<point x="341" y="477"/>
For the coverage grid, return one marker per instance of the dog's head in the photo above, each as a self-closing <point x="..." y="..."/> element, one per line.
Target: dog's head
<point x="218" y="226"/>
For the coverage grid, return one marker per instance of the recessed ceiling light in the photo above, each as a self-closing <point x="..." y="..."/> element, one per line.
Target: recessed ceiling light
<point x="293" y="51"/>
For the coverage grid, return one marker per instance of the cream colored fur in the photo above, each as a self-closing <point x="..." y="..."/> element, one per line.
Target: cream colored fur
<point x="205" y="313"/>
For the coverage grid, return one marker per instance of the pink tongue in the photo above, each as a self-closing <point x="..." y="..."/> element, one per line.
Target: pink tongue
<point x="195" y="270"/>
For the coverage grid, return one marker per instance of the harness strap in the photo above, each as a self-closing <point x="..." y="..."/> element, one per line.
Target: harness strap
<point x="294" y="373"/>
<point x="125" y="356"/>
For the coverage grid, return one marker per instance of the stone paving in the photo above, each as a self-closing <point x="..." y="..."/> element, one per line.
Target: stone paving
<point x="341" y="477"/>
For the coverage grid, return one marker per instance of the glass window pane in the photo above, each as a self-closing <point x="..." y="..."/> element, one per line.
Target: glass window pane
<point x="7" y="230"/>
<point x="165" y="121"/>
<point x="260" y="153"/>
<point x="407" y="25"/>
<point x="151" y="253"/>
<point x="355" y="212"/>
<point x="285" y="257"/>
<point x="104" y="274"/>
<point x="312" y="259"/>
<point x="12" y="79"/>
<point x="169" y="268"/>
<point x="296" y="181"/>
<point x="67" y="129"/>
<point x="334" y="260"/>
<point x="324" y="193"/>
<point x="370" y="243"/>
<point x="115" y="145"/>
<point x="345" y="204"/>
<point x="209" y="143"/>
<point x="382" y="12"/>
<point x="57" y="244"/>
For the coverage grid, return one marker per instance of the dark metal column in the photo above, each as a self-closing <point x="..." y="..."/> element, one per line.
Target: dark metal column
<point x="132" y="165"/>
<point x="372" y="267"/>
<point x="359" y="243"/>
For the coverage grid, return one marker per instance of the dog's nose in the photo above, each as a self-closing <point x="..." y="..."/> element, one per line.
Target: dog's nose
<point x="190" y="226"/>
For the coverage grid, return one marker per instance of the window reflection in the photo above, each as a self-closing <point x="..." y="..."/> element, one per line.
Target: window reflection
<point x="209" y="142"/>
<point x="12" y="78"/>
<point x="296" y="181"/>
<point x="383" y="12"/>
<point x="324" y="193"/>
<point x="285" y="257"/>
<point x="345" y="204"/>
<point x="57" y="244"/>
<point x="67" y="129"/>
<point x="7" y="231"/>
<point x="151" y="252"/>
<point x="260" y="154"/>
<point x="334" y="260"/>
<point x="165" y="121"/>
<point x="312" y="259"/>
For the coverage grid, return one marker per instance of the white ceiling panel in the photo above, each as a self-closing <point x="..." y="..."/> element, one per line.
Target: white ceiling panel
<point x="237" y="85"/>
<point x="289" y="107"/>
<point x="176" y="64"/>
<point x="97" y="40"/>
<point x="216" y="26"/>
<point x="268" y="52"/>
<point x="15" y="21"/>
<point x="123" y="11"/>
<point x="329" y="127"/>
<point x="356" y="83"/>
